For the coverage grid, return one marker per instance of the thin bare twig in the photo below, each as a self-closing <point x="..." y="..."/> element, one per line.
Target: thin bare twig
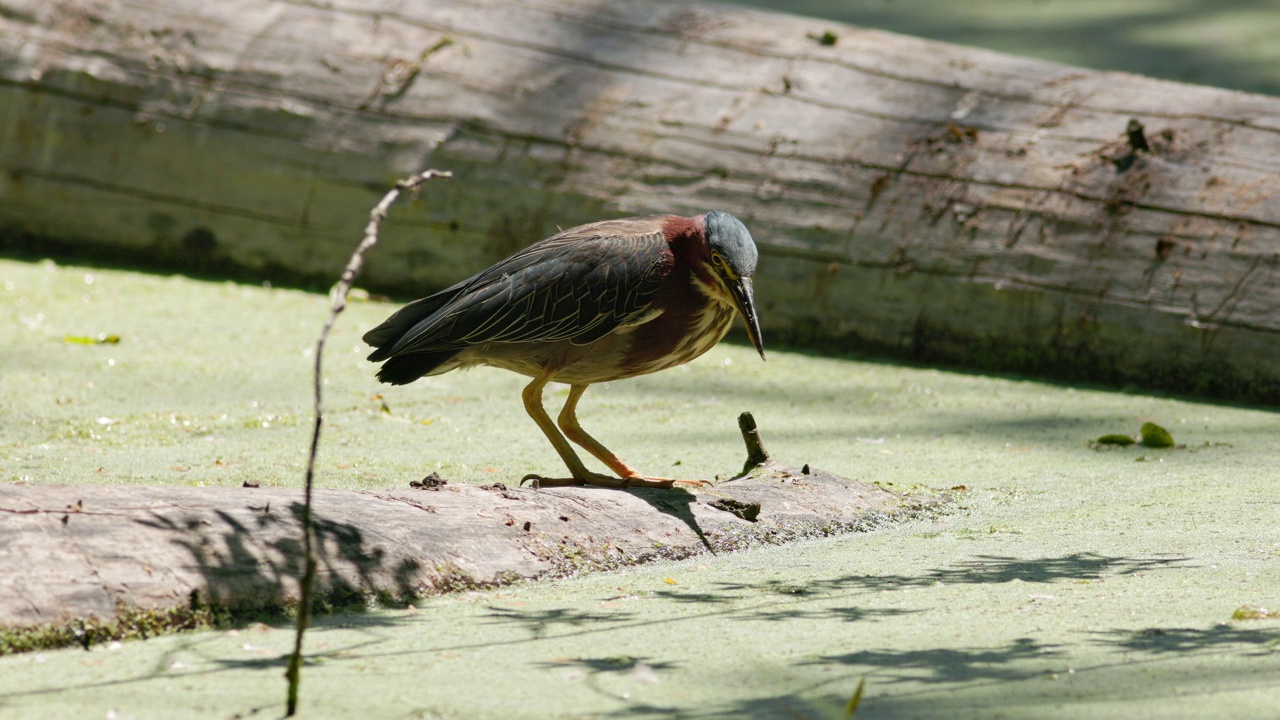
<point x="376" y="216"/>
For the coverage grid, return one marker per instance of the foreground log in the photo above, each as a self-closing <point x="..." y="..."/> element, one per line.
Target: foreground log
<point x="925" y="199"/>
<point x="74" y="552"/>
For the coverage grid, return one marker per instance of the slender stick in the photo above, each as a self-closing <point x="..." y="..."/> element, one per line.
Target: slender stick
<point x="339" y="303"/>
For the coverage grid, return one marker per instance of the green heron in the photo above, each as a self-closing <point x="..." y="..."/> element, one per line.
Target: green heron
<point x="600" y="302"/>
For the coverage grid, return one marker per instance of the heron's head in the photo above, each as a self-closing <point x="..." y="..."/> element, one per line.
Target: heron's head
<point x="732" y="254"/>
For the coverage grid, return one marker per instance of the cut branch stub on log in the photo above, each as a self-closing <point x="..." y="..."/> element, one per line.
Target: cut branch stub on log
<point x="756" y="454"/>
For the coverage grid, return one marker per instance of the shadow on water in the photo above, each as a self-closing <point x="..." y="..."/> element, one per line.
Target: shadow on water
<point x="1025" y="678"/>
<point x="773" y="600"/>
<point x="950" y="665"/>
<point x="841" y="614"/>
<point x="1051" y="367"/>
<point x="538" y="622"/>
<point x="987" y="569"/>
<point x="622" y="668"/>
<point x="604" y="665"/>
<point x="988" y="675"/>
<point x="189" y="260"/>
<point x="1163" y="641"/>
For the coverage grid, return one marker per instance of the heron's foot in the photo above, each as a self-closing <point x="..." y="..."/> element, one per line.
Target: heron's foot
<point x="657" y="482"/>
<point x="538" y="481"/>
<point x="639" y="481"/>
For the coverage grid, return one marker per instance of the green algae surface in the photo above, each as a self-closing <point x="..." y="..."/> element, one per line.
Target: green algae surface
<point x="1067" y="580"/>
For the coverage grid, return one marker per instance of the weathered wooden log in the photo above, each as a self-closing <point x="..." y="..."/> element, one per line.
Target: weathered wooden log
<point x="914" y="196"/>
<point x="95" y="551"/>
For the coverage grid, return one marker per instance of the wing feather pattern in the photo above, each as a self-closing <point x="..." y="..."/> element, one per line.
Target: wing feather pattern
<point x="579" y="286"/>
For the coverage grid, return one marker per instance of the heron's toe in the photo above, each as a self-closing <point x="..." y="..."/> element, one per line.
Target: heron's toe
<point x="666" y="483"/>
<point x="538" y="481"/>
<point x="638" y="481"/>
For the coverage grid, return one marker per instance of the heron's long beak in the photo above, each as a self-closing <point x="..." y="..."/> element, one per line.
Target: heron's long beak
<point x="740" y="288"/>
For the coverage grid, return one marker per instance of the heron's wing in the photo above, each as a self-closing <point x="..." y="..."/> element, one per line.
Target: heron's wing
<point x="579" y="286"/>
<point x="385" y="336"/>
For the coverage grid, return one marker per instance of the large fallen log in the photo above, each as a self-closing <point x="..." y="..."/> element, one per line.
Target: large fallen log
<point x="931" y="200"/>
<point x="76" y="553"/>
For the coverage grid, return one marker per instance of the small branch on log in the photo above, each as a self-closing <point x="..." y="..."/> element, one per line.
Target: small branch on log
<point x="1137" y="136"/>
<point x="376" y="216"/>
<point x="756" y="454"/>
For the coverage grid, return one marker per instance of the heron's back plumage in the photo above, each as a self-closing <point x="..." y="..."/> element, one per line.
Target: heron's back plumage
<point x="575" y="287"/>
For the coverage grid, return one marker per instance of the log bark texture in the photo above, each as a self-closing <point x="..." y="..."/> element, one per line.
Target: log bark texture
<point x="71" y="552"/>
<point x="931" y="200"/>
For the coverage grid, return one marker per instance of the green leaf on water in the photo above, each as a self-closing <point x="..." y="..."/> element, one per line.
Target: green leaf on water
<point x="1154" y="436"/>
<point x="826" y="39"/>
<point x="1254" y="612"/>
<point x="1115" y="439"/>
<point x="101" y="339"/>
<point x="852" y="706"/>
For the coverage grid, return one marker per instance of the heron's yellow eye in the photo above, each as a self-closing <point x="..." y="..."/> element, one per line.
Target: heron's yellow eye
<point x="717" y="260"/>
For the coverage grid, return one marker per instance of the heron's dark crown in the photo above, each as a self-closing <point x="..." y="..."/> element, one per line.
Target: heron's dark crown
<point x="727" y="236"/>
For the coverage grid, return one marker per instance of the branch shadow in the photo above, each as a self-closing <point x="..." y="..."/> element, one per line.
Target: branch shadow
<point x="538" y="622"/>
<point x="255" y="563"/>
<point x="700" y="598"/>
<point x="984" y="569"/>
<point x="676" y="503"/>
<point x="949" y="665"/>
<point x="1076" y="566"/>
<point x="1166" y="640"/>
<point x="843" y="614"/>
<point x="989" y="681"/>
<point x="618" y="664"/>
<point x="625" y="668"/>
